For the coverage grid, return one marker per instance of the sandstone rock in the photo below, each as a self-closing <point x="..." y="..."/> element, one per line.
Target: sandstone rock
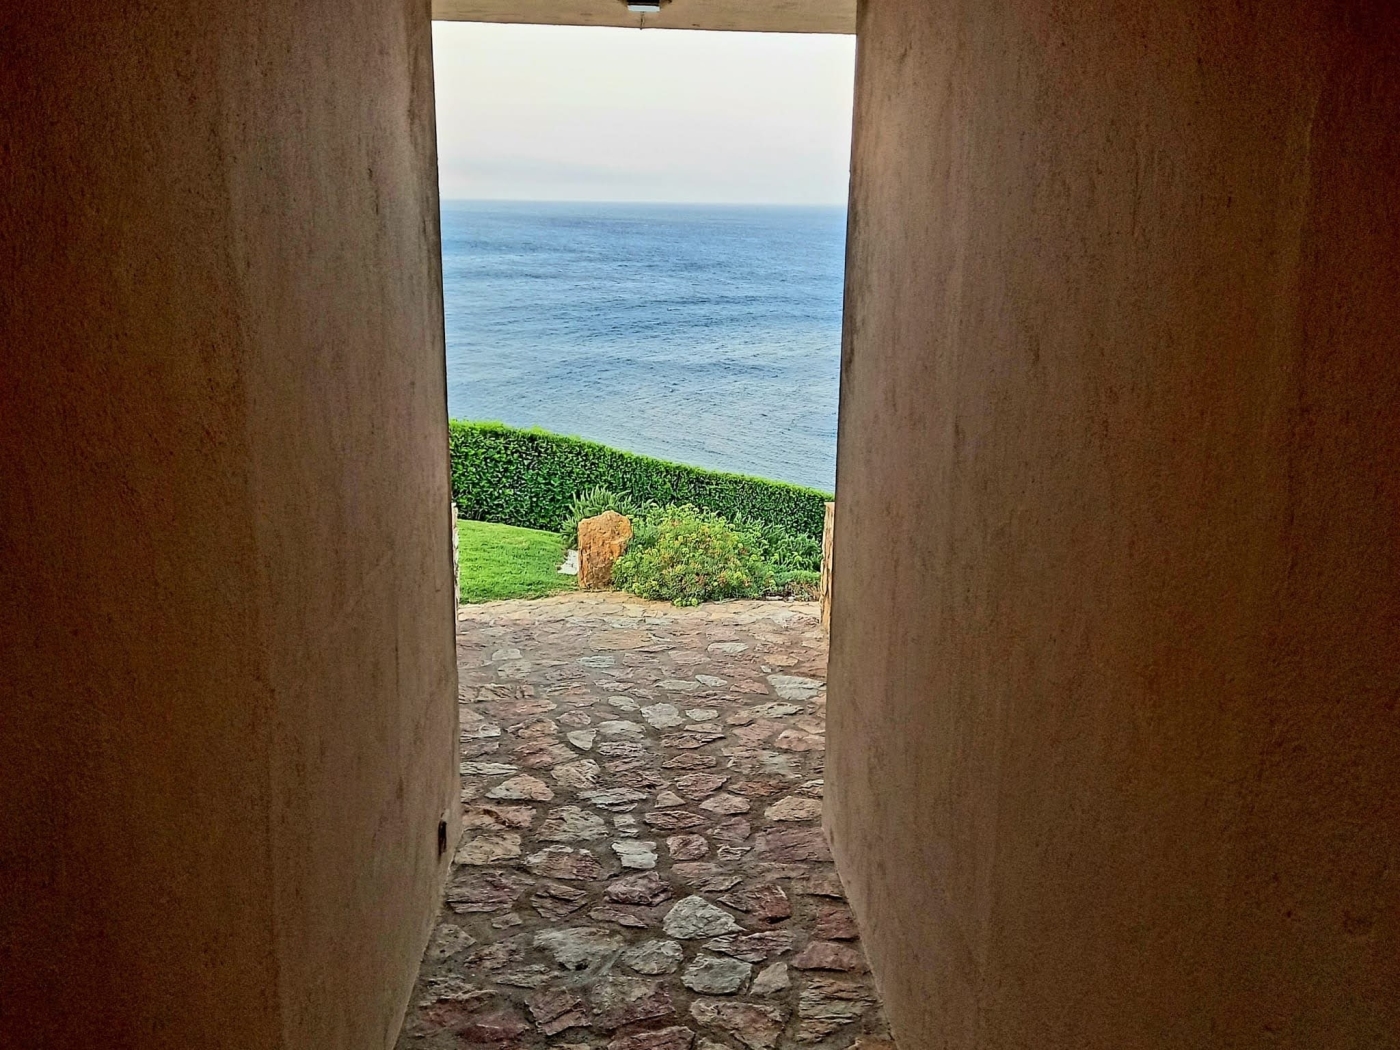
<point x="835" y="924"/>
<point x="447" y="941"/>
<point x="673" y="820"/>
<point x="637" y="918"/>
<point x="578" y="947"/>
<point x="697" y="734"/>
<point x="535" y="728"/>
<point x="541" y="754"/>
<point x="648" y="889"/>
<point x="622" y="749"/>
<point x="620" y="727"/>
<point x="582" y="738"/>
<point x="620" y="638"/>
<point x="614" y="800"/>
<point x="663" y="716"/>
<point x="580" y="775"/>
<point x="565" y="862"/>
<point x="497" y="816"/>
<point x="496" y="1026"/>
<point x="713" y="975"/>
<point x="822" y="884"/>
<point x="601" y="541"/>
<point x="654" y="957"/>
<point x="687" y="847"/>
<point x="675" y="1038"/>
<point x="764" y="901"/>
<point x="522" y="787"/>
<point x="488" y="769"/>
<point x="791" y="687"/>
<point x="825" y="1006"/>
<point x="695" y="917"/>
<point x="619" y="1001"/>
<point x="473" y="891"/>
<point x="555" y="1009"/>
<point x="794" y="808"/>
<point x="636" y="854"/>
<point x="726" y="804"/>
<point x="699" y="785"/>
<point x="753" y="947"/>
<point x="793" y="845"/>
<point x="668" y="800"/>
<point x="488" y="848"/>
<point x="771" y="980"/>
<point x="705" y="877"/>
<point x="774" y="710"/>
<point x="731" y="829"/>
<point x="453" y="989"/>
<point x="797" y="740"/>
<point x="825" y="955"/>
<point x="757" y="1027"/>
<point x="554" y="901"/>
<point x="690" y="762"/>
<point x="571" y="824"/>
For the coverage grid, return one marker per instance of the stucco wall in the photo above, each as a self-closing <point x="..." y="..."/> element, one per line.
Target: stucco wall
<point x="1114" y="731"/>
<point x="227" y="681"/>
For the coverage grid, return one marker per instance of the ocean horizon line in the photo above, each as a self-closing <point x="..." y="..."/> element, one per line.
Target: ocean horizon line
<point x="842" y="206"/>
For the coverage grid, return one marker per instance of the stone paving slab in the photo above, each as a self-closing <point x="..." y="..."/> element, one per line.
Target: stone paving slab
<point x="642" y="865"/>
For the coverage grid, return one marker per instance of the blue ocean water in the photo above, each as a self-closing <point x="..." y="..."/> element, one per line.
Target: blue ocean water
<point x="703" y="334"/>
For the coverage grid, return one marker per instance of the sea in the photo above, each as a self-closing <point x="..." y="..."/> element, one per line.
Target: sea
<point x="702" y="334"/>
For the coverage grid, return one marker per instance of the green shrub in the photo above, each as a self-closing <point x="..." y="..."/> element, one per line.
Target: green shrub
<point x="802" y="584"/>
<point x="530" y="478"/>
<point x="782" y="548"/>
<point x="594" y="502"/>
<point x="687" y="556"/>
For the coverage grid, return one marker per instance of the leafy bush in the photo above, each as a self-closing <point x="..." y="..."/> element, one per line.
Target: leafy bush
<point x="782" y="548"/>
<point x="687" y="556"/>
<point x="802" y="584"/>
<point x="594" y="502"/>
<point x="531" y="478"/>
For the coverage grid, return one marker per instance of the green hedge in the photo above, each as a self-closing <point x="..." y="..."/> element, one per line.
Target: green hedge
<point x="529" y="477"/>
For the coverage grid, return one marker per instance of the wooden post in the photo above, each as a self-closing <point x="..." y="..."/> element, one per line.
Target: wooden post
<point x="828" y="528"/>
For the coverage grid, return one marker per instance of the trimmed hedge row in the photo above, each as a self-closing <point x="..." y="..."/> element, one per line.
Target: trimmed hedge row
<point x="529" y="477"/>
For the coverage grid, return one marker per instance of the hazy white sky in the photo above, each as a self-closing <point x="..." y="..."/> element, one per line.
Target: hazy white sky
<point x="582" y="113"/>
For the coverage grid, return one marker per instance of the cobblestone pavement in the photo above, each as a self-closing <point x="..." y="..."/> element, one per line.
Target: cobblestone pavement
<point x="642" y="865"/>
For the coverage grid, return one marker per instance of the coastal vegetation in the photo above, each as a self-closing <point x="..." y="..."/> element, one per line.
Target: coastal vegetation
<point x="681" y="550"/>
<point x="531" y="478"/>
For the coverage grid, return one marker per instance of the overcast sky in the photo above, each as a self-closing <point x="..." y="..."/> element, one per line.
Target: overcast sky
<point x="582" y="113"/>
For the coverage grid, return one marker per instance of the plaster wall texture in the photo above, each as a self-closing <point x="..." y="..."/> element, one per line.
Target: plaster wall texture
<point x="227" y="679"/>
<point x="1115" y="698"/>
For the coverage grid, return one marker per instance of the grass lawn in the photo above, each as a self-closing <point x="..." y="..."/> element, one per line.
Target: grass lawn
<point x="502" y="561"/>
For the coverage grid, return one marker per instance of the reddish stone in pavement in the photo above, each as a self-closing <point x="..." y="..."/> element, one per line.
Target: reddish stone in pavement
<point x="497" y="1026"/>
<point x="835" y="924"/>
<point x="824" y="955"/>
<point x="549" y="1003"/>
<point x="793" y="845"/>
<point x="647" y="888"/>
<point x="764" y="901"/>
<point x="675" y="1038"/>
<point x="619" y="1001"/>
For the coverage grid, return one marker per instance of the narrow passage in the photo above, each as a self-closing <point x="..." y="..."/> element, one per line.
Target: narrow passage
<point x="642" y="864"/>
